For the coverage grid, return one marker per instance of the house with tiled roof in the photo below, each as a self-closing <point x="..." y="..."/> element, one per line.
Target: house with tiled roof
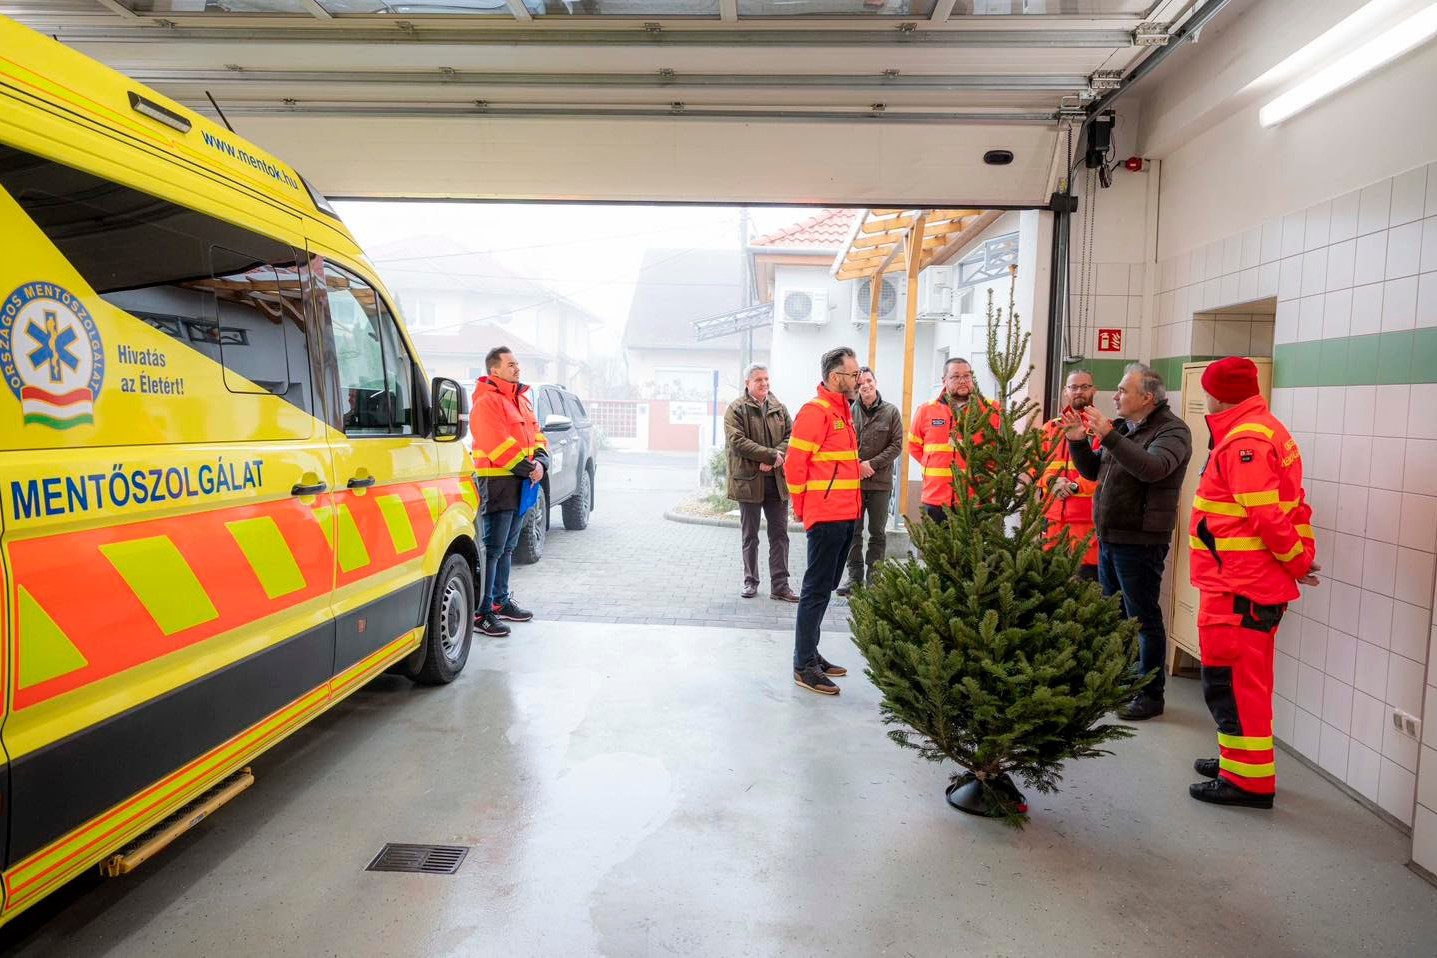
<point x="458" y="304"/>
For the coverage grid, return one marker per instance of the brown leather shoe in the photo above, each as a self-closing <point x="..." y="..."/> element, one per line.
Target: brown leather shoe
<point x="783" y="595"/>
<point x="749" y="590"/>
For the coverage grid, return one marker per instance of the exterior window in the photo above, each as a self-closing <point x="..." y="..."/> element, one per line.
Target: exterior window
<point x="234" y="295"/>
<point x="376" y="373"/>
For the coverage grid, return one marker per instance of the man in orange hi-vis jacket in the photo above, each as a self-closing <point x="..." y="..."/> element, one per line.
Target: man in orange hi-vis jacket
<point x="1067" y="496"/>
<point x="510" y="452"/>
<point x="930" y="435"/>
<point x="1252" y="544"/>
<point x="823" y="485"/>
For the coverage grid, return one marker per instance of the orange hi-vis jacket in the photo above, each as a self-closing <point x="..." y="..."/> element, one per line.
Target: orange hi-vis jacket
<point x="504" y="428"/>
<point x="1251" y="531"/>
<point x="822" y="464"/>
<point x="1076" y="510"/>
<point x="931" y="444"/>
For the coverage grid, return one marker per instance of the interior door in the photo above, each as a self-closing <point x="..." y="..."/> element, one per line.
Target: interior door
<point x="386" y="498"/>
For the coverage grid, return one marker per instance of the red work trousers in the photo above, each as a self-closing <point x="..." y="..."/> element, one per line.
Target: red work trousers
<point x="1237" y="637"/>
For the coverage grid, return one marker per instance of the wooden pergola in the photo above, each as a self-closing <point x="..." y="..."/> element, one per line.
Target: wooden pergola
<point x="907" y="241"/>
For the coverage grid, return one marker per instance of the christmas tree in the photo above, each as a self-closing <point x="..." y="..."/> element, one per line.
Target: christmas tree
<point x="987" y="650"/>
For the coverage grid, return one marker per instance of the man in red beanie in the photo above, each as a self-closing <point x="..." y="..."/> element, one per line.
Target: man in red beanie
<point x="1252" y="544"/>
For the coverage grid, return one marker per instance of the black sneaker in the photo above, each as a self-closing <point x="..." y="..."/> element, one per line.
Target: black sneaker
<point x="1141" y="708"/>
<point x="828" y="668"/>
<point x="489" y="625"/>
<point x="511" y="611"/>
<point x="1206" y="767"/>
<point x="1222" y="792"/>
<point x="814" y="680"/>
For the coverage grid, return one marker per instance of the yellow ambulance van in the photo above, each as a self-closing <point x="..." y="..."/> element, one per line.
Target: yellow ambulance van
<point x="230" y="496"/>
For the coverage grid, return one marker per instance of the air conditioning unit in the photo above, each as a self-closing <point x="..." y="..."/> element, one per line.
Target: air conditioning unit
<point x="935" y="293"/>
<point x="804" y="307"/>
<point x="891" y="307"/>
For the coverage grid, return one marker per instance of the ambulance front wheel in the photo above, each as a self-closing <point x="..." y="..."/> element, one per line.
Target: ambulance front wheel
<point x="451" y="623"/>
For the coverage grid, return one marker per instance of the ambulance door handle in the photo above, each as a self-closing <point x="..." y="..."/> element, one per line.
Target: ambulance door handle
<point x="312" y="490"/>
<point x="358" y="483"/>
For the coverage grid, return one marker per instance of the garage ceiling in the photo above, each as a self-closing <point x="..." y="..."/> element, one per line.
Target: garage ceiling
<point x="884" y="102"/>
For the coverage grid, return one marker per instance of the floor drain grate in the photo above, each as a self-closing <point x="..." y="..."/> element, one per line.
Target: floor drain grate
<point x="422" y="859"/>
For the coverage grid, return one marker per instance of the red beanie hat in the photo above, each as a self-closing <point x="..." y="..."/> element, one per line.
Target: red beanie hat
<point x="1231" y="380"/>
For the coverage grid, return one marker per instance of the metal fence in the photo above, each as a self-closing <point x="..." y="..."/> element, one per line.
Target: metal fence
<point x="618" y="418"/>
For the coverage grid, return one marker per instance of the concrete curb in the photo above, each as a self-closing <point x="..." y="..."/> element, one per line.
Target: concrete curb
<point x="673" y="516"/>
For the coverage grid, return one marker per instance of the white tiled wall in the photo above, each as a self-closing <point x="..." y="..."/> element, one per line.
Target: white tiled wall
<point x="1226" y="334"/>
<point x="1112" y="295"/>
<point x="1358" y="646"/>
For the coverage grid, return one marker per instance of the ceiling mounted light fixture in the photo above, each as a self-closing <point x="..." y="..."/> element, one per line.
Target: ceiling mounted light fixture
<point x="1347" y="69"/>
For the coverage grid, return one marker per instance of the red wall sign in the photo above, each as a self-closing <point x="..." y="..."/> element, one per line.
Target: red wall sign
<point x="1110" y="340"/>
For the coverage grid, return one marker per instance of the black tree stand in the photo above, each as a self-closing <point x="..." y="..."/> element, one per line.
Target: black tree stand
<point x="968" y="795"/>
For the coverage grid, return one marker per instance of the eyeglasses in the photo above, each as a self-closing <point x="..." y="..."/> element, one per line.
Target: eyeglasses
<point x="1082" y="388"/>
<point x="854" y="375"/>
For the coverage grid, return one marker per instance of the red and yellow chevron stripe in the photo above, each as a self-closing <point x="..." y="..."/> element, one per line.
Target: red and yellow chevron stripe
<point x="164" y="584"/>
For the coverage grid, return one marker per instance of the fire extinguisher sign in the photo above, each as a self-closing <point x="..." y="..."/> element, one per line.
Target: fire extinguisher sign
<point x="1110" y="340"/>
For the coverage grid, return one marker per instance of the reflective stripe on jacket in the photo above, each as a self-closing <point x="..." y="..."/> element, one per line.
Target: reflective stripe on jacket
<point x="503" y="428"/>
<point x="1076" y="510"/>
<point x="1251" y="531"/>
<point x="822" y="463"/>
<point x="931" y="444"/>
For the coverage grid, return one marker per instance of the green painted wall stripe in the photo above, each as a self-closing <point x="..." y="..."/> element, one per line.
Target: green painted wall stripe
<point x="163" y="582"/>
<point x="45" y="651"/>
<point x="1107" y="373"/>
<point x="1381" y="359"/>
<point x="268" y="555"/>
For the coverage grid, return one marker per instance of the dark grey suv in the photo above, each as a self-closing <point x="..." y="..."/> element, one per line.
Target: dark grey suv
<point x="569" y="481"/>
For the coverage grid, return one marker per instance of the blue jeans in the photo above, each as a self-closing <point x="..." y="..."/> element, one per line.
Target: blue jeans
<point x="1137" y="572"/>
<point x="828" y="544"/>
<point x="501" y="535"/>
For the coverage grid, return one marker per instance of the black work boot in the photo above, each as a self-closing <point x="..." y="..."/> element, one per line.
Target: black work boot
<point x="1222" y="792"/>
<point x="1141" y="708"/>
<point x="1206" y="767"/>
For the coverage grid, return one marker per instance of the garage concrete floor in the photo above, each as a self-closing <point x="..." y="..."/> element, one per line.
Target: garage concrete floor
<point x="635" y="790"/>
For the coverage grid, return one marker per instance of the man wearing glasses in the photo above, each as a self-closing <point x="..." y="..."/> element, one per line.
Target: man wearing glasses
<point x="931" y="441"/>
<point x="1068" y="497"/>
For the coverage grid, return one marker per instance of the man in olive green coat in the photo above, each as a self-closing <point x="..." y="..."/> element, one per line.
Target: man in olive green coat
<point x="880" y="443"/>
<point x="756" y="429"/>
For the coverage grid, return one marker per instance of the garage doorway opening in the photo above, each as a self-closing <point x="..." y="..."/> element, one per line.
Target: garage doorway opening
<point x="635" y="326"/>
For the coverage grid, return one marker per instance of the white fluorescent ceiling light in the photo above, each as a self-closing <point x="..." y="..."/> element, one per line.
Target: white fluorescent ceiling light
<point x="1383" y="48"/>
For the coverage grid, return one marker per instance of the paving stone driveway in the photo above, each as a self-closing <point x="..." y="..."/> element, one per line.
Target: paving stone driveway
<point x="633" y="565"/>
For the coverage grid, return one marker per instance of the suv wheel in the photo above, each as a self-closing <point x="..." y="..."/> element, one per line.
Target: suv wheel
<point x="531" y="538"/>
<point x="576" y="508"/>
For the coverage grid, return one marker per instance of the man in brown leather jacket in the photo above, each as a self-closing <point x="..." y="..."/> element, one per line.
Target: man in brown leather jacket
<point x="880" y="443"/>
<point x="756" y="430"/>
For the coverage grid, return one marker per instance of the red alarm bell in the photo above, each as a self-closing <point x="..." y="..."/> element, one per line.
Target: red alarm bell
<point x="1135" y="164"/>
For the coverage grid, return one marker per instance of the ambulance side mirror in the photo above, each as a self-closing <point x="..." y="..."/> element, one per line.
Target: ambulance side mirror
<point x="451" y="410"/>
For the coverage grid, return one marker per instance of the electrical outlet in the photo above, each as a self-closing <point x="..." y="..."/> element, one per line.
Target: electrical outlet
<point x="1407" y="724"/>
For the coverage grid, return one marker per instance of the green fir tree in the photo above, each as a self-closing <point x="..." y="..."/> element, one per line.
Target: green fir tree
<point x="987" y="650"/>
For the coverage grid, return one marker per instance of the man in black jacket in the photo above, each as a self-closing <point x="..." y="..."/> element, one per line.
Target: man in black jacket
<point x="1140" y="463"/>
<point x="880" y="443"/>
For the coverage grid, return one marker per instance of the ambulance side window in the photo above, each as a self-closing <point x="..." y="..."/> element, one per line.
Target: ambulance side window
<point x="219" y="289"/>
<point x="376" y="374"/>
